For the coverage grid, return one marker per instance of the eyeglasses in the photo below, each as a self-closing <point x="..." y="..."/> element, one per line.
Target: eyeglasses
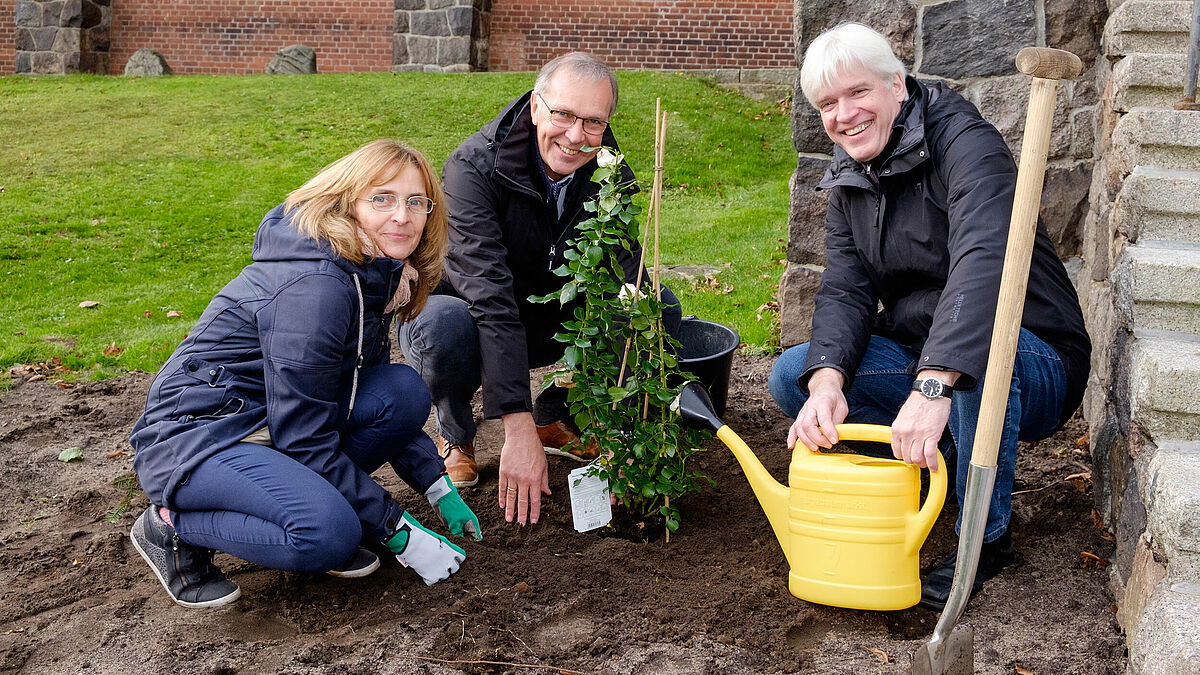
<point x="387" y="202"/>
<point x="565" y="120"/>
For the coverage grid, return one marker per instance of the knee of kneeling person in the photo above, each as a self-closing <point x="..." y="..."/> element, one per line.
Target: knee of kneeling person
<point x="324" y="541"/>
<point x="404" y="397"/>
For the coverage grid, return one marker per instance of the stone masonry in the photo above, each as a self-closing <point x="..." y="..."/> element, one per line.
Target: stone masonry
<point x="62" y="36"/>
<point x="441" y="35"/>
<point x="1141" y="289"/>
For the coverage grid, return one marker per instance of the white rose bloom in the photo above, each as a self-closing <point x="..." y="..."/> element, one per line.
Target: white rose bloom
<point x="629" y="295"/>
<point x="606" y="158"/>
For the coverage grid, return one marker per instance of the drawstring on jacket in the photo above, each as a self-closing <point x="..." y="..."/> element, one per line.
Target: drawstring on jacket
<point x="362" y="310"/>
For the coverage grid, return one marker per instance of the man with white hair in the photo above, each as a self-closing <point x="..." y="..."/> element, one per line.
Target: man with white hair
<point x="516" y="190"/>
<point x="921" y="191"/>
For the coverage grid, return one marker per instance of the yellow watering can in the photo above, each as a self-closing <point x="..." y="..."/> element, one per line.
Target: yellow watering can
<point x="851" y="526"/>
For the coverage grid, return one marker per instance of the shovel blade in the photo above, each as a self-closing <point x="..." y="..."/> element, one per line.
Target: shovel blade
<point x="955" y="656"/>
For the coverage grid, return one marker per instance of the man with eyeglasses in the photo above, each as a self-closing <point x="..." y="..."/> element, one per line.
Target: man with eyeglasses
<point x="515" y="192"/>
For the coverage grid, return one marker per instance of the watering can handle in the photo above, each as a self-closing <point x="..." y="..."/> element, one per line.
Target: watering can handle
<point x="922" y="522"/>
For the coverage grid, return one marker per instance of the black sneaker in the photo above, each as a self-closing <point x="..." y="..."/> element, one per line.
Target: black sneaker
<point x="360" y="564"/>
<point x="186" y="571"/>
<point x="993" y="557"/>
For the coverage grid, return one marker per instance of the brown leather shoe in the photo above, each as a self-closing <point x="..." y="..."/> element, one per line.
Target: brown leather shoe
<point x="460" y="462"/>
<point x="560" y="439"/>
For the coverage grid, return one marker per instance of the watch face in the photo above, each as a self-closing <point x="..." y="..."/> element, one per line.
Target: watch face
<point x="931" y="387"/>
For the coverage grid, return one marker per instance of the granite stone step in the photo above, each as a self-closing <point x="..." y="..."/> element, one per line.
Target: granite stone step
<point x="1162" y="282"/>
<point x="1148" y="27"/>
<point x="1164" y="379"/>
<point x="1152" y="80"/>
<point x="1160" y="204"/>
<point x="1168" y="139"/>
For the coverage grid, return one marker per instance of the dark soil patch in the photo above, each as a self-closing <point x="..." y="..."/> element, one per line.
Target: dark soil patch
<point x="77" y="598"/>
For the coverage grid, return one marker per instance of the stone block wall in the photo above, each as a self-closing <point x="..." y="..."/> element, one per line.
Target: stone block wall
<point x="61" y="36"/>
<point x="971" y="45"/>
<point x="651" y="34"/>
<point x="441" y="35"/>
<point x="237" y="37"/>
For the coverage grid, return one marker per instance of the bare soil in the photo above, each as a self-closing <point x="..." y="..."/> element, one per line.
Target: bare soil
<point x="77" y="598"/>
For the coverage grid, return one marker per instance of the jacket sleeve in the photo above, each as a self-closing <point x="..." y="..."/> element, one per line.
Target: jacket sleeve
<point x="845" y="301"/>
<point x="477" y="268"/>
<point x="303" y="333"/>
<point x="978" y="171"/>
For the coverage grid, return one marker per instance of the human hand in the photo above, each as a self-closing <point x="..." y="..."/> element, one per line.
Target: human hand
<point x="427" y="553"/>
<point x="826" y="407"/>
<point x="451" y="508"/>
<point x="918" y="428"/>
<point x="524" y="476"/>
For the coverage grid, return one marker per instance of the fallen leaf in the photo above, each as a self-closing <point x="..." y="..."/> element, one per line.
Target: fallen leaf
<point x="147" y="314"/>
<point x="118" y="453"/>
<point x="64" y="385"/>
<point x="14" y="630"/>
<point x="95" y="221"/>
<point x="88" y="304"/>
<point x="113" y="350"/>
<point x="174" y="314"/>
<point x="1023" y="671"/>
<point x="1088" y="559"/>
<point x="37" y="377"/>
<point x="883" y="657"/>
<point x="1083" y="475"/>
<point x="70" y="454"/>
<point x="522" y="587"/>
<point x="1082" y="441"/>
<point x="76" y="561"/>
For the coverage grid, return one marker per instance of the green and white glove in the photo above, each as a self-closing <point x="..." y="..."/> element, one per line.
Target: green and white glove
<point x="451" y="508"/>
<point x="427" y="553"/>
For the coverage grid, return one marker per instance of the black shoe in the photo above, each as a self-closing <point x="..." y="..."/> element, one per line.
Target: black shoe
<point x="186" y="571"/>
<point x="360" y="564"/>
<point x="993" y="557"/>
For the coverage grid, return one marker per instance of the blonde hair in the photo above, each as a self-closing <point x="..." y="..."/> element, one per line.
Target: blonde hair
<point x="323" y="208"/>
<point x="846" y="48"/>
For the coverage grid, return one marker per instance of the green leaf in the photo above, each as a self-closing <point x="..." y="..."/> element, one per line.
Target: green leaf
<point x="617" y="393"/>
<point x="568" y="293"/>
<point x="72" y="454"/>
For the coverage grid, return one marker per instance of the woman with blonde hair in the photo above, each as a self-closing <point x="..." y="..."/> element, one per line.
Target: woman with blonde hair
<point x="261" y="431"/>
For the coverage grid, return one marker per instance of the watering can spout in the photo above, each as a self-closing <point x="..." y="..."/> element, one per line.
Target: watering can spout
<point x="694" y="405"/>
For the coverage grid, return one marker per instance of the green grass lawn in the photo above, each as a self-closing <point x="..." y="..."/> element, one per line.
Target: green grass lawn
<point x="143" y="194"/>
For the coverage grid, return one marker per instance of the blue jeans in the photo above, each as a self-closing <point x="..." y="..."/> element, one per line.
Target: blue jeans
<point x="442" y="343"/>
<point x="262" y="505"/>
<point x="884" y="381"/>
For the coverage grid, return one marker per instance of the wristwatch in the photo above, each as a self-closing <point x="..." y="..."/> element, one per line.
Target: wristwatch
<point x="933" y="388"/>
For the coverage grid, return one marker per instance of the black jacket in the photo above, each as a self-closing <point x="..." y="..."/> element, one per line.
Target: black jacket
<point x="505" y="238"/>
<point x="921" y="230"/>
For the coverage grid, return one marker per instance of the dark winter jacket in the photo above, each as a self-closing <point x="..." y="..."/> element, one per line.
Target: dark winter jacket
<point x="275" y="347"/>
<point x="505" y="238"/>
<point x="921" y="230"/>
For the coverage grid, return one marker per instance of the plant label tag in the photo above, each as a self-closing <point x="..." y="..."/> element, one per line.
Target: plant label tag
<point x="590" y="507"/>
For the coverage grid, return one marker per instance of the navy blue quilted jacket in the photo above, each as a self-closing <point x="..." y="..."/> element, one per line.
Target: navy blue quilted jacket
<point x="275" y="347"/>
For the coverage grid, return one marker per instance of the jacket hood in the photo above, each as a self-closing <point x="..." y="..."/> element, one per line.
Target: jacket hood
<point x="278" y="240"/>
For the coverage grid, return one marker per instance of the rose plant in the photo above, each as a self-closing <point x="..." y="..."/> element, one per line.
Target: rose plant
<point x="619" y="365"/>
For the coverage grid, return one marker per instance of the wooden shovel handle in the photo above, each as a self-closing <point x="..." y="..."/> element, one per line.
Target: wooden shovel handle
<point x="1047" y="63"/>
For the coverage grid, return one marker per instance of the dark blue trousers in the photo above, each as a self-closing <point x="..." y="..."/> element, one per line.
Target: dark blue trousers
<point x="262" y="505"/>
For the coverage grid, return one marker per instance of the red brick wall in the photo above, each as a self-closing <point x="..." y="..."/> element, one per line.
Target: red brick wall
<point x="8" y="36"/>
<point x="652" y="34"/>
<point x="234" y="36"/>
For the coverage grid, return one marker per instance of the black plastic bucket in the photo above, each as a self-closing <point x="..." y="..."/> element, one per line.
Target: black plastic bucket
<point x="706" y="351"/>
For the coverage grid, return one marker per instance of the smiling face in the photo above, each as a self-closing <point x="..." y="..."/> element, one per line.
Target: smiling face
<point x="397" y="232"/>
<point x="561" y="149"/>
<point x="858" y="110"/>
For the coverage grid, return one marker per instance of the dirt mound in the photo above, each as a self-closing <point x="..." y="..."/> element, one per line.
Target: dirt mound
<point x="77" y="598"/>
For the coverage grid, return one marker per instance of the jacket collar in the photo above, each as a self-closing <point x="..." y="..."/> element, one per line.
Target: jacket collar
<point x="908" y="147"/>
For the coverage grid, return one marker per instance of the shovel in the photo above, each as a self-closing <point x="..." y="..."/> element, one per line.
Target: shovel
<point x="951" y="649"/>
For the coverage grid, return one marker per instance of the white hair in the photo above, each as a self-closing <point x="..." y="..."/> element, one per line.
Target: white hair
<point x="843" y="49"/>
<point x="582" y="65"/>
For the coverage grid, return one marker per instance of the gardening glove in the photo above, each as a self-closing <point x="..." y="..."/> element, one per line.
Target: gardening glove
<point x="428" y="554"/>
<point x="451" y="508"/>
